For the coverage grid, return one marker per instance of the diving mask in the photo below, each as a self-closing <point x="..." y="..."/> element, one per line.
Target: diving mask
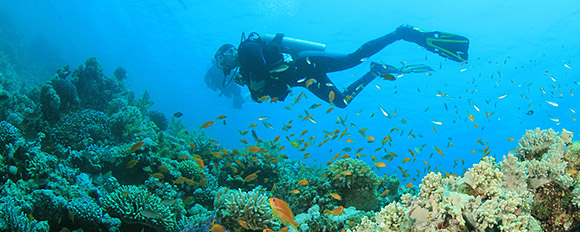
<point x="226" y="58"/>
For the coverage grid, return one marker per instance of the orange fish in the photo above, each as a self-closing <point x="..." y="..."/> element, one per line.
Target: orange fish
<point x="136" y="146"/>
<point x="221" y="117"/>
<point x="200" y="163"/>
<point x="295" y="191"/>
<point x="409" y="185"/>
<point x="510" y="139"/>
<point x="179" y="180"/>
<point x="385" y="193"/>
<point x="309" y="82"/>
<point x="267" y="230"/>
<point x="380" y="165"/>
<point x="132" y="163"/>
<point x="303" y="182"/>
<point x="251" y="177"/>
<point x="158" y="176"/>
<point x="331" y="97"/>
<point x="335" y="196"/>
<point x="347" y="173"/>
<point x="282" y="211"/>
<point x="252" y="125"/>
<point x="243" y="224"/>
<point x="406" y="160"/>
<point x="350" y="141"/>
<point x="264" y="98"/>
<point x="335" y="212"/>
<point x="329" y="109"/>
<point x="254" y="149"/>
<point x="207" y="124"/>
<point x="162" y="168"/>
<point x="217" y="227"/>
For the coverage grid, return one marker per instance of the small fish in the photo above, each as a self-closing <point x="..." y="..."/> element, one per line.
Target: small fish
<point x="217" y="227"/>
<point x="303" y="182"/>
<point x="177" y="114"/>
<point x="132" y="163"/>
<point x="436" y="122"/>
<point x="331" y="97"/>
<point x="149" y="214"/>
<point x="335" y="196"/>
<point x="330" y="109"/>
<point x="409" y="185"/>
<point x="309" y="82"/>
<point x="221" y="117"/>
<point x="207" y="124"/>
<point x="263" y="118"/>
<point x="263" y="99"/>
<point x="406" y="160"/>
<point x="281" y="210"/>
<point x="280" y="68"/>
<point x="243" y="224"/>
<point x="136" y="146"/>
<point x="338" y="211"/>
<point x="552" y="103"/>
<point x="295" y="191"/>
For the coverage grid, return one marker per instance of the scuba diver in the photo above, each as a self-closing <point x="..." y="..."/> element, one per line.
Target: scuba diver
<point x="270" y="67"/>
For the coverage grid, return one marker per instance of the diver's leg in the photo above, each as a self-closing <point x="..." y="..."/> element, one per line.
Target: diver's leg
<point x="331" y="62"/>
<point x="324" y="89"/>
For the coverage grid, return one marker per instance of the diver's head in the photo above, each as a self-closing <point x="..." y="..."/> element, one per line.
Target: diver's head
<point x="226" y="58"/>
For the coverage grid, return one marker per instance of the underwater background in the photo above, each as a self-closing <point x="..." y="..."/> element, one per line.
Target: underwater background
<point x="112" y="119"/>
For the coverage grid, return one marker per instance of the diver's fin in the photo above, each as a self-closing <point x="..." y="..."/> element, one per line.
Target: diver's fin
<point x="445" y="44"/>
<point x="416" y="68"/>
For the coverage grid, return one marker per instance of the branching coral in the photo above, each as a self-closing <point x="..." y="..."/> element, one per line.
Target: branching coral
<point x="250" y="207"/>
<point x="135" y="205"/>
<point x="84" y="210"/>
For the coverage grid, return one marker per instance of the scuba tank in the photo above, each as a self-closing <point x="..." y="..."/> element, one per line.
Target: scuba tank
<point x="296" y="45"/>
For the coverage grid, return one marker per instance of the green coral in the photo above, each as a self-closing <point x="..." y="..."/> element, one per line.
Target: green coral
<point x="191" y="170"/>
<point x="136" y="205"/>
<point x="361" y="176"/>
<point x="355" y="182"/>
<point x="129" y="125"/>
<point x="251" y="207"/>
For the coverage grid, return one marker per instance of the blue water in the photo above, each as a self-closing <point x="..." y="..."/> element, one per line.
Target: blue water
<point x="167" y="48"/>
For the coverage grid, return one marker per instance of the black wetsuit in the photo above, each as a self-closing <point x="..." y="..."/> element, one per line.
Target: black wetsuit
<point x="268" y="70"/>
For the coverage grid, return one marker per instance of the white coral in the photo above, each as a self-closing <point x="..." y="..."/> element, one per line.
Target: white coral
<point x="484" y="178"/>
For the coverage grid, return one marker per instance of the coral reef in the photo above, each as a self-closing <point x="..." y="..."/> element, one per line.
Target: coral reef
<point x="94" y="89"/>
<point x="530" y="195"/>
<point x="134" y="205"/>
<point x="251" y="207"/>
<point x="355" y="182"/>
<point x="159" y="119"/>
